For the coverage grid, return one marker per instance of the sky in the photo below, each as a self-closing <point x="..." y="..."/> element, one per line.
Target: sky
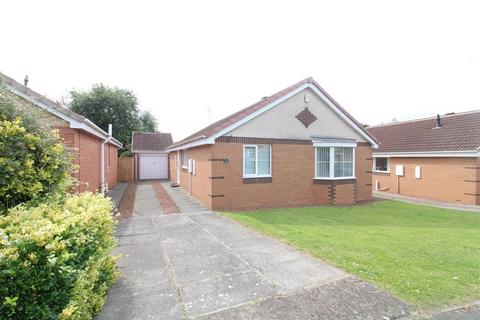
<point x="193" y="62"/>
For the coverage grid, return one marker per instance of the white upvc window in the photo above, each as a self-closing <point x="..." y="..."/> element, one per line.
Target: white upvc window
<point x="381" y="164"/>
<point x="184" y="159"/>
<point x="257" y="161"/>
<point x="334" y="162"/>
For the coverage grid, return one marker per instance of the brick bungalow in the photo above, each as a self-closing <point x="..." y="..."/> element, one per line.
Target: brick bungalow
<point x="435" y="158"/>
<point x="90" y="145"/>
<point x="297" y="147"/>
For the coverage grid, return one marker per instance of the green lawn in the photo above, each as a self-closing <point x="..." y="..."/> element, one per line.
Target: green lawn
<point x="423" y="255"/>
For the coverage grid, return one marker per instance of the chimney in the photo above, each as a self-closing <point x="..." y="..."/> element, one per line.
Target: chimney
<point x="439" y="124"/>
<point x="25" y="81"/>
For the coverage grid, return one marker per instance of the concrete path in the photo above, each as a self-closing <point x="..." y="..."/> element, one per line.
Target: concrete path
<point x="471" y="313"/>
<point x="198" y="264"/>
<point x="117" y="192"/>
<point x="433" y="203"/>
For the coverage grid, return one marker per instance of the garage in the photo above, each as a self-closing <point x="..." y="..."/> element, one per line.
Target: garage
<point x="151" y="160"/>
<point x="153" y="166"/>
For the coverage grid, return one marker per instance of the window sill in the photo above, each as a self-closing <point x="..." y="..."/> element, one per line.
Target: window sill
<point x="381" y="173"/>
<point x="252" y="180"/>
<point x="338" y="178"/>
<point x="335" y="181"/>
<point x="256" y="176"/>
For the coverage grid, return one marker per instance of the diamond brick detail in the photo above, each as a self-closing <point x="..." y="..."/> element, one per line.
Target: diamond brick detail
<point x="306" y="117"/>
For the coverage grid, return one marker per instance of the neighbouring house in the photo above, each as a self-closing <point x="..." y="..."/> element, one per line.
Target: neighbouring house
<point x="297" y="147"/>
<point x="435" y="158"/>
<point x="150" y="157"/>
<point x="95" y="151"/>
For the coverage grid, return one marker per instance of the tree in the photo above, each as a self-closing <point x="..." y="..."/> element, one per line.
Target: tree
<point x="104" y="105"/>
<point x="34" y="164"/>
<point x="147" y="122"/>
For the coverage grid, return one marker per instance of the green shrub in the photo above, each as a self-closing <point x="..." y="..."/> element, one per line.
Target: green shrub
<point x="33" y="162"/>
<point x="55" y="258"/>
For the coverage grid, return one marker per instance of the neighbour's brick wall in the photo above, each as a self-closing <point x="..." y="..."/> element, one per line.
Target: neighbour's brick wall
<point x="443" y="179"/>
<point x="220" y="185"/>
<point x="89" y="161"/>
<point x="71" y="140"/>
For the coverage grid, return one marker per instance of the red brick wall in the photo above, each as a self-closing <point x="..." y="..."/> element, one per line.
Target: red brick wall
<point x="200" y="184"/>
<point x="89" y="161"/>
<point x="444" y="179"/>
<point x="220" y="185"/>
<point x="86" y="149"/>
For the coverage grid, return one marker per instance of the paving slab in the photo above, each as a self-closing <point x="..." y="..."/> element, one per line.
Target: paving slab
<point x="421" y="201"/>
<point x="347" y="299"/>
<point x="184" y="201"/>
<point x="145" y="289"/>
<point x="471" y="313"/>
<point x="214" y="294"/>
<point x="116" y="193"/>
<point x="199" y="264"/>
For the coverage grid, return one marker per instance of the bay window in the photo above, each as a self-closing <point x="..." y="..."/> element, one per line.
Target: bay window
<point x="257" y="161"/>
<point x="333" y="162"/>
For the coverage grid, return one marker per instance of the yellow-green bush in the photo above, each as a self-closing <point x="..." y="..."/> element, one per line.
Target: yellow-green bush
<point x="33" y="162"/>
<point x="55" y="258"/>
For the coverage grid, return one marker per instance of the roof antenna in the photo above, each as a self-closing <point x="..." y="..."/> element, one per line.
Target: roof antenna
<point x="439" y="123"/>
<point x="25" y="81"/>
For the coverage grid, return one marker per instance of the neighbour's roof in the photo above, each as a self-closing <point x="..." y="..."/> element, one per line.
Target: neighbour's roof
<point x="151" y="141"/>
<point x="458" y="132"/>
<point x="224" y="123"/>
<point x="50" y="106"/>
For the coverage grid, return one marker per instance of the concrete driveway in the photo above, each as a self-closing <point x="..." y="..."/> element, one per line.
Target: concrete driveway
<point x="198" y="264"/>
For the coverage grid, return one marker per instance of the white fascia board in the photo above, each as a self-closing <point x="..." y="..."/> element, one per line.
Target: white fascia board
<point x="74" y="124"/>
<point x="433" y="154"/>
<point x="192" y="144"/>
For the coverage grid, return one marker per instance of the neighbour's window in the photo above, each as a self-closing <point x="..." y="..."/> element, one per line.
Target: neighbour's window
<point x="257" y="161"/>
<point x="381" y="165"/>
<point x="334" y="162"/>
<point x="184" y="158"/>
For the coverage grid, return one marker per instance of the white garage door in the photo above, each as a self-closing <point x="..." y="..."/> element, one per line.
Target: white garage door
<point x="153" y="166"/>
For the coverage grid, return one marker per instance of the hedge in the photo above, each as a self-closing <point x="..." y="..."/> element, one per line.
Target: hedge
<point x="33" y="162"/>
<point x="55" y="259"/>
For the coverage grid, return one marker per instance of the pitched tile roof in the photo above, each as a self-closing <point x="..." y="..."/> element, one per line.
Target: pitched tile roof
<point x="38" y="99"/>
<point x="220" y="125"/>
<point x="458" y="132"/>
<point x="152" y="141"/>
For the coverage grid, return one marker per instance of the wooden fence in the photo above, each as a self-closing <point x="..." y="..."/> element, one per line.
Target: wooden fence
<point x="126" y="169"/>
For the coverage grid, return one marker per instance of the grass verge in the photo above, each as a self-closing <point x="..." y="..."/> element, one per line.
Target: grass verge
<point x="424" y="255"/>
